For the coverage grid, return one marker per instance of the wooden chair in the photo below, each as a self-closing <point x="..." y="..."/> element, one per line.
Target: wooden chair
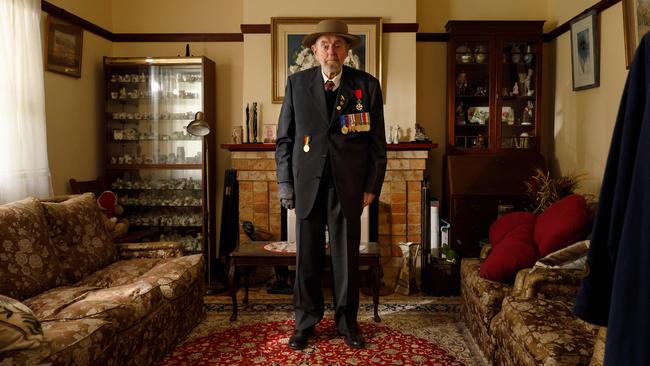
<point x="96" y="186"/>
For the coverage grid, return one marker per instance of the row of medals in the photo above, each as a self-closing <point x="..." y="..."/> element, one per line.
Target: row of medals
<point x="354" y="128"/>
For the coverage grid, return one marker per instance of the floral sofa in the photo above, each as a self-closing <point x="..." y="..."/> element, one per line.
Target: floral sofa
<point x="530" y="321"/>
<point x="92" y="302"/>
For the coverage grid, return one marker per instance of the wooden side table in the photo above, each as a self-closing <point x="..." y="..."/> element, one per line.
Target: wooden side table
<point x="444" y="277"/>
<point x="251" y="254"/>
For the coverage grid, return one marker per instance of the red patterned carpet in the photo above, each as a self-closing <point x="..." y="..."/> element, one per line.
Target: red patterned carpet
<point x="409" y="334"/>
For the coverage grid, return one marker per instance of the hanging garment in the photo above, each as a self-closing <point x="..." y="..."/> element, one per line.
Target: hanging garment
<point x="616" y="291"/>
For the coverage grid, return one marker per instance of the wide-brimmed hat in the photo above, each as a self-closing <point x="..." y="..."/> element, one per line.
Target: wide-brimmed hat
<point x="331" y="26"/>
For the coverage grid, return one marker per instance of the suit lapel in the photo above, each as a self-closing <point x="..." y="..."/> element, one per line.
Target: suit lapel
<point x="318" y="93"/>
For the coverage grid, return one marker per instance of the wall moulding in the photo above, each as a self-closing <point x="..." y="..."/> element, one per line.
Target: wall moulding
<point x="266" y="29"/>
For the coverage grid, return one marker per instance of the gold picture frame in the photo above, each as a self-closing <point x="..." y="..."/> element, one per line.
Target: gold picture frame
<point x="289" y="56"/>
<point x="64" y="47"/>
<point x="636" y="19"/>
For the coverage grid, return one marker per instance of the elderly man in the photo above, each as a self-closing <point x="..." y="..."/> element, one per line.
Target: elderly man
<point x="331" y="160"/>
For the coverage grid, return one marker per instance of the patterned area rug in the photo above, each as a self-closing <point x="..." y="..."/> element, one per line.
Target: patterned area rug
<point x="423" y="332"/>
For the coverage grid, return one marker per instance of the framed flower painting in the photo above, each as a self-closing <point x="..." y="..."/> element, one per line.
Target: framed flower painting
<point x="288" y="56"/>
<point x="636" y="19"/>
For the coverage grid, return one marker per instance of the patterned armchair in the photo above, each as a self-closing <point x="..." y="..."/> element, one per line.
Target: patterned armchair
<point x="530" y="322"/>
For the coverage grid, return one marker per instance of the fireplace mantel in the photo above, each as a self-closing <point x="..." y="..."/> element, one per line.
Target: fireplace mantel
<point x="416" y="146"/>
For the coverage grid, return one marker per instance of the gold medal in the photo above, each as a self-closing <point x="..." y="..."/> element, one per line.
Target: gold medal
<point x="338" y="107"/>
<point x="344" y="130"/>
<point x="307" y="140"/>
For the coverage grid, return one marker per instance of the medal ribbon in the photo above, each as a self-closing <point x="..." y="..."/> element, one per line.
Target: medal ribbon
<point x="307" y="140"/>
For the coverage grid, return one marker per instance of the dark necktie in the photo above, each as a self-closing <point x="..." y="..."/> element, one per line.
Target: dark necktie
<point x="329" y="85"/>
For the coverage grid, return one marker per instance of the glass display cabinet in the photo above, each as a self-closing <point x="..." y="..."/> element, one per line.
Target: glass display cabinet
<point x="158" y="170"/>
<point x="494" y="86"/>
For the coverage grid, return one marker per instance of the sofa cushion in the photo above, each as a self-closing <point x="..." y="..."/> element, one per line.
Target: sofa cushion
<point x="546" y="330"/>
<point x="79" y="237"/>
<point x="75" y="342"/>
<point x="29" y="265"/>
<point x="19" y="327"/>
<point x="47" y="304"/>
<point x="508" y="222"/>
<point x="176" y="275"/>
<point x="514" y="252"/>
<point x="119" y="273"/>
<point x="561" y="224"/>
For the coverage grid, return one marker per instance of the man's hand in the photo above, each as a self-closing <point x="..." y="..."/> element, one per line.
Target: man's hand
<point x="285" y="193"/>
<point x="367" y="199"/>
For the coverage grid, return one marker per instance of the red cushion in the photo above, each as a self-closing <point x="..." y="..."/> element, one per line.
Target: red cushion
<point x="514" y="252"/>
<point x="506" y="223"/>
<point x="561" y="224"/>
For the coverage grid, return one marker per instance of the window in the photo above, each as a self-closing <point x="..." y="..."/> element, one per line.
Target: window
<point x="24" y="169"/>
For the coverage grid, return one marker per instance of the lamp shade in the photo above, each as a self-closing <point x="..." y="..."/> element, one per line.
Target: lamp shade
<point x="198" y="126"/>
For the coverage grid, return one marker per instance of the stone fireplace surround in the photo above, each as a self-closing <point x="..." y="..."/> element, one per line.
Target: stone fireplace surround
<point x="399" y="216"/>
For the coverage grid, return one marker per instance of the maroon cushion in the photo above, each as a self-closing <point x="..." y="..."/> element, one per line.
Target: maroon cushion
<point x="506" y="223"/>
<point x="561" y="224"/>
<point x="514" y="252"/>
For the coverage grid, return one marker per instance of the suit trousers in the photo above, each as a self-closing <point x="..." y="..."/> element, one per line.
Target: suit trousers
<point x="344" y="237"/>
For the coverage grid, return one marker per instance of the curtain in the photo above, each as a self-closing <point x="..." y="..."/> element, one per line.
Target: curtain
<point x="24" y="169"/>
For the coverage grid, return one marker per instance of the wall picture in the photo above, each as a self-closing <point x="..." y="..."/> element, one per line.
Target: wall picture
<point x="636" y="18"/>
<point x="288" y="56"/>
<point x="64" y="47"/>
<point x="585" y="51"/>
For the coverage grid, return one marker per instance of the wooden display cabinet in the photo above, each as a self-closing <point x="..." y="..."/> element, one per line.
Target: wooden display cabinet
<point x="493" y="123"/>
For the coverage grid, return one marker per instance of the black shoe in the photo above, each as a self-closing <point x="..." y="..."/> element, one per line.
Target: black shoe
<point x="299" y="338"/>
<point x="354" y="339"/>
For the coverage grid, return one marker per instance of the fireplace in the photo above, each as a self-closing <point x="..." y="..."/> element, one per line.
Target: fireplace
<point x="398" y="208"/>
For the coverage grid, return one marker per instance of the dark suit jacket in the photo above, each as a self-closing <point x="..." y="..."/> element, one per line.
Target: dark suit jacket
<point x="358" y="159"/>
<point x="616" y="292"/>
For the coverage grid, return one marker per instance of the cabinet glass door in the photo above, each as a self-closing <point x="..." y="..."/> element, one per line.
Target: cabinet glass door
<point x="153" y="164"/>
<point x="518" y="95"/>
<point x="472" y="95"/>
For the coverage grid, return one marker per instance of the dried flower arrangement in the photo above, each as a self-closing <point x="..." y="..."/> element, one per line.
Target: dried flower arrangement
<point x="543" y="191"/>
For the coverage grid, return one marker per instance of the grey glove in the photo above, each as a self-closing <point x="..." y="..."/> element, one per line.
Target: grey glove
<point x="285" y="192"/>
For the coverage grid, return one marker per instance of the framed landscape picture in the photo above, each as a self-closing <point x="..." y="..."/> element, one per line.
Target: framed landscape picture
<point x="64" y="47"/>
<point x="636" y="19"/>
<point x="288" y="56"/>
<point x="585" y="51"/>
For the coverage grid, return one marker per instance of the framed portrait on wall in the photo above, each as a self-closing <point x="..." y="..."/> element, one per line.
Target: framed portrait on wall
<point x="288" y="56"/>
<point x="64" y="47"/>
<point x="585" y="51"/>
<point x="636" y="19"/>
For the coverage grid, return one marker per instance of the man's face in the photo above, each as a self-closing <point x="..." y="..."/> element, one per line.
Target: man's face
<point x="330" y="51"/>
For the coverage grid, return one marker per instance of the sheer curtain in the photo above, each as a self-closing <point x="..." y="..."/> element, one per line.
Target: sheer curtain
<point x="24" y="169"/>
